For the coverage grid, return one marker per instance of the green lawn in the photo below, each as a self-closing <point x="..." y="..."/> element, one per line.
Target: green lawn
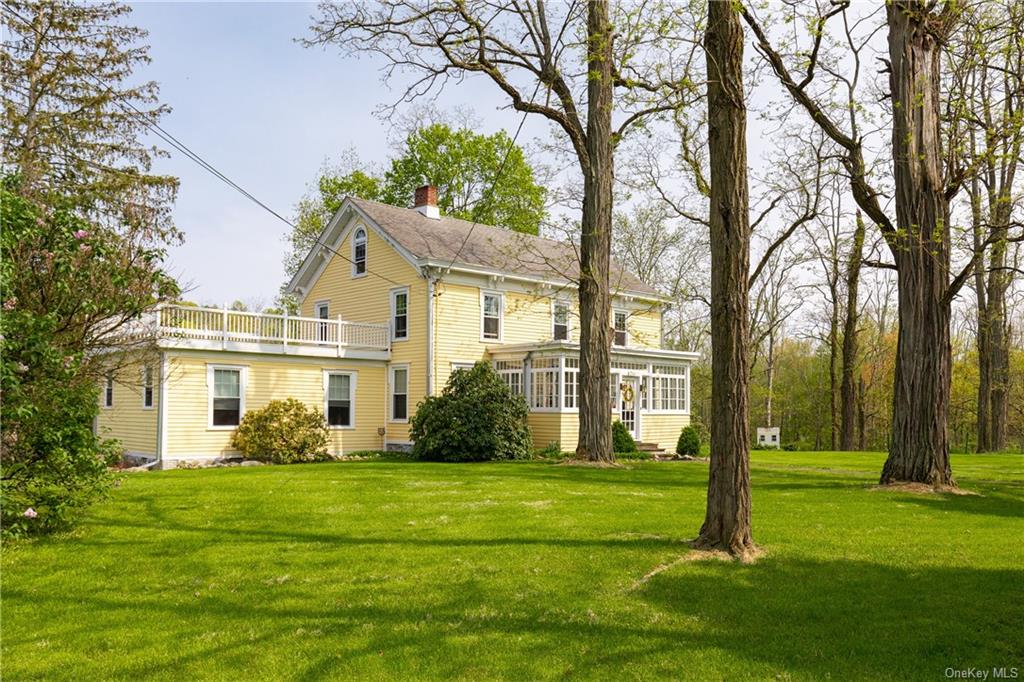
<point x="527" y="570"/>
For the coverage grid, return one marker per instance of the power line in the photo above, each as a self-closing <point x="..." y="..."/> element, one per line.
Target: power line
<point x="177" y="144"/>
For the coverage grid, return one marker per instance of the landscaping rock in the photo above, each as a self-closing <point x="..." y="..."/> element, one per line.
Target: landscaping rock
<point x="251" y="463"/>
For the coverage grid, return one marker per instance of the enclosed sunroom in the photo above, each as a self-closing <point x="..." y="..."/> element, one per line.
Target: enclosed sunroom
<point x="650" y="390"/>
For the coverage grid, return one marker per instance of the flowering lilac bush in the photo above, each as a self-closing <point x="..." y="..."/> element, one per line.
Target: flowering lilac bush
<point x="57" y="300"/>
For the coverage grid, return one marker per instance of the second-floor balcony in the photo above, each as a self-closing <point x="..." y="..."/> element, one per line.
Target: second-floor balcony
<point x="217" y="328"/>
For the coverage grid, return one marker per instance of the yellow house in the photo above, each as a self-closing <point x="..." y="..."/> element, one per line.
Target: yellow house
<point x="392" y="301"/>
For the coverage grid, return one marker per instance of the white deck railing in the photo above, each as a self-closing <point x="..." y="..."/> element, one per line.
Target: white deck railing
<point x="232" y="326"/>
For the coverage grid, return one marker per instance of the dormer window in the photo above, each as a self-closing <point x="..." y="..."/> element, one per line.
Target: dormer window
<point x="359" y="253"/>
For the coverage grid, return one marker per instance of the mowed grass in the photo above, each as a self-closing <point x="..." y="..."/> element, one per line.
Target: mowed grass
<point x="386" y="570"/>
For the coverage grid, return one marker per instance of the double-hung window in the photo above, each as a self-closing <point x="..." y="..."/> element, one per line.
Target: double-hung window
<point x="147" y="387"/>
<point x="400" y="313"/>
<point x="340" y="409"/>
<point x="227" y="395"/>
<point x="399" y="394"/>
<point x="359" y="253"/>
<point x="492" y="305"/>
<point x="108" y="390"/>
<point x="621" y="333"/>
<point x="560" y="321"/>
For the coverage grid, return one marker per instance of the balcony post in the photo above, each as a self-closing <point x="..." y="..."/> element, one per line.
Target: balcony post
<point x="224" y="333"/>
<point x="284" y="333"/>
<point x="339" y="335"/>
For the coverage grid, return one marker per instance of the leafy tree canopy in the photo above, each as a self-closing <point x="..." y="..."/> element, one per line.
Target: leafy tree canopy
<point x="484" y="178"/>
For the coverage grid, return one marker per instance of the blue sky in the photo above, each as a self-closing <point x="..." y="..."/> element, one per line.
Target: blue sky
<point x="266" y="112"/>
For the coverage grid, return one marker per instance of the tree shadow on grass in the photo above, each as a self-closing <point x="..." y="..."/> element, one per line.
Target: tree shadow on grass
<point x="802" y="618"/>
<point x="988" y="503"/>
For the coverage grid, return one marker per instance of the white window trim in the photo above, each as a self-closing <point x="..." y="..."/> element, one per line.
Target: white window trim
<point x="366" y="260"/>
<point x="501" y="316"/>
<point x="625" y="312"/>
<point x="391" y="393"/>
<point x="394" y="295"/>
<point x="152" y="388"/>
<point x="322" y="304"/>
<point x="353" y="378"/>
<point x="461" y="364"/>
<point x="108" y="380"/>
<point x="243" y="383"/>
<point x="568" y="318"/>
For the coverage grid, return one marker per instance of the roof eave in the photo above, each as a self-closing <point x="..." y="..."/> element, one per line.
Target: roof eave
<point x="493" y="272"/>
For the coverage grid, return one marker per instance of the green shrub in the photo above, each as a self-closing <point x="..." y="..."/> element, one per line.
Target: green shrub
<point x="636" y="454"/>
<point x="689" y="441"/>
<point x="552" y="450"/>
<point x="476" y="418"/>
<point x="622" y="440"/>
<point x="283" y="432"/>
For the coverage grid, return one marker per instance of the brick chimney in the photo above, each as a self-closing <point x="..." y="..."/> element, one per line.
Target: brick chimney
<point x="426" y="201"/>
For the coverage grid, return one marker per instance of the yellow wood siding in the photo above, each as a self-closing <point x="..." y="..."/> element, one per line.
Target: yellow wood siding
<point x="644" y="327"/>
<point x="527" y="318"/>
<point x="128" y="421"/>
<point x="662" y="429"/>
<point x="545" y="427"/>
<point x="367" y="298"/>
<point x="268" y="378"/>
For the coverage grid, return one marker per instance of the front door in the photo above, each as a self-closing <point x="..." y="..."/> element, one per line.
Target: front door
<point x="629" y="395"/>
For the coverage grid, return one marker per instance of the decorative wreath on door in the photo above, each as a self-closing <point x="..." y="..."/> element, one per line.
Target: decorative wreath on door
<point x="627" y="392"/>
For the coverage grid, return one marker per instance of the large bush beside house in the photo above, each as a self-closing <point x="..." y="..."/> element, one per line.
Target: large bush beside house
<point x="54" y="273"/>
<point x="283" y="432"/>
<point x="689" y="441"/>
<point x="622" y="439"/>
<point x="476" y="418"/>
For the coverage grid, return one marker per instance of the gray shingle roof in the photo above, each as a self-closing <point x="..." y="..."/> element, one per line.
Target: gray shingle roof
<point x="488" y="247"/>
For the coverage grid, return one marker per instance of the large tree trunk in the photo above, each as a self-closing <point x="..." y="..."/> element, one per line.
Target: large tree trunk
<point x="984" y="441"/>
<point x="919" y="450"/>
<point x="595" y="436"/>
<point x="848" y="389"/>
<point x="833" y="364"/>
<point x="727" y="520"/>
<point x="997" y="337"/>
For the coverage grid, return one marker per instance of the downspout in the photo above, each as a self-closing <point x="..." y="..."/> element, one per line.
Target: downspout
<point x="161" y="413"/>
<point x="430" y="332"/>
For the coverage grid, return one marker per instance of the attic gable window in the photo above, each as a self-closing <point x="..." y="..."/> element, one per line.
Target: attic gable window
<point x="359" y="253"/>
